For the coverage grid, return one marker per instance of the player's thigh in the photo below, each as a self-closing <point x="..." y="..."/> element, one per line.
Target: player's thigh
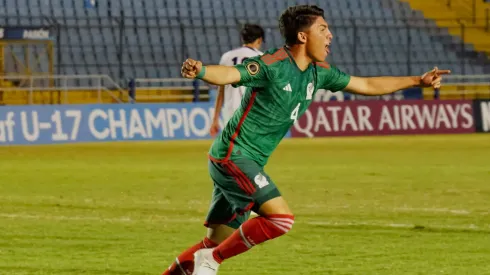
<point x="220" y="209"/>
<point x="229" y="205"/>
<point x="261" y="188"/>
<point x="273" y="206"/>
<point x="242" y="185"/>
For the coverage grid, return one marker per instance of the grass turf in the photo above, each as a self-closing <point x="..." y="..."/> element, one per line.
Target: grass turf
<point x="378" y="205"/>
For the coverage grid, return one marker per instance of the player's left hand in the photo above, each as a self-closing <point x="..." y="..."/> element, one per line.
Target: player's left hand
<point x="433" y="78"/>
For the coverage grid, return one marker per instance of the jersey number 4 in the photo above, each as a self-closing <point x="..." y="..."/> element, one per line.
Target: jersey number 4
<point x="294" y="114"/>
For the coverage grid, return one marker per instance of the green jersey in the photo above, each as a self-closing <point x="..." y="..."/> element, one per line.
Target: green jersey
<point x="278" y="94"/>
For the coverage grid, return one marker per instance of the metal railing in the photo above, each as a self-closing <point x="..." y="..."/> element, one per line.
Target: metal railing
<point x="464" y="86"/>
<point x="152" y="89"/>
<point x="159" y="89"/>
<point x="467" y="79"/>
<point x="466" y="8"/>
<point x="64" y="84"/>
<point x="469" y="8"/>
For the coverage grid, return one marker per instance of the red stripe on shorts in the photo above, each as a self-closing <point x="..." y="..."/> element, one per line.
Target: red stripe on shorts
<point x="243" y="179"/>
<point x="237" y="178"/>
<point x="247" y="180"/>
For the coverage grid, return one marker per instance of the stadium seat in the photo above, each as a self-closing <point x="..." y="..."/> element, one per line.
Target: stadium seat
<point x="158" y="35"/>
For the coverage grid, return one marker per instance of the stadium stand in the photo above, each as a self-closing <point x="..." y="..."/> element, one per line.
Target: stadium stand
<point x="151" y="38"/>
<point x="474" y="14"/>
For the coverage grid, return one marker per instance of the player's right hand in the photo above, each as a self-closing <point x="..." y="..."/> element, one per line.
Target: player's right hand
<point x="191" y="68"/>
<point x="214" y="128"/>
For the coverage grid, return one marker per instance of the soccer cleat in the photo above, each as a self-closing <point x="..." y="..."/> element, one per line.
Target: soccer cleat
<point x="204" y="262"/>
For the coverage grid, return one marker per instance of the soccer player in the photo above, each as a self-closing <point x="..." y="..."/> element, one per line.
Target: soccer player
<point x="229" y="97"/>
<point x="282" y="84"/>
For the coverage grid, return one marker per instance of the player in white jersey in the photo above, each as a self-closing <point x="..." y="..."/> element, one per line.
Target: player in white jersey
<point x="229" y="98"/>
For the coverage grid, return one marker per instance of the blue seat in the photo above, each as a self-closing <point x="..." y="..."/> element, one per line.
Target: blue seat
<point x="159" y="35"/>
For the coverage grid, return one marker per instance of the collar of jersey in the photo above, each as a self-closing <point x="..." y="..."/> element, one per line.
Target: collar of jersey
<point x="294" y="62"/>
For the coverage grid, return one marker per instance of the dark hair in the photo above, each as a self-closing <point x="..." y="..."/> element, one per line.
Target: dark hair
<point x="296" y="19"/>
<point x="251" y="32"/>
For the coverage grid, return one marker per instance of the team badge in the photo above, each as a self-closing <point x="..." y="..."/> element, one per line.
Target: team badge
<point x="261" y="180"/>
<point x="253" y="68"/>
<point x="309" y="91"/>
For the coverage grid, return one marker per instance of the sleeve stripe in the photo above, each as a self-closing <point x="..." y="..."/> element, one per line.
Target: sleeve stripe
<point x="277" y="56"/>
<point x="324" y="64"/>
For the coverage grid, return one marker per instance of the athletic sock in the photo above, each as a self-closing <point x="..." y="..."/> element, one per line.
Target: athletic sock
<point x="251" y="233"/>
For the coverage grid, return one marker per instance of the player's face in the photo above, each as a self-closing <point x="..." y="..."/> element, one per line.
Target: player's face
<point x="318" y="41"/>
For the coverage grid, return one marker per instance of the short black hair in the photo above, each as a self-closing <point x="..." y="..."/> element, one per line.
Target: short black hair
<point x="296" y="19"/>
<point x="251" y="32"/>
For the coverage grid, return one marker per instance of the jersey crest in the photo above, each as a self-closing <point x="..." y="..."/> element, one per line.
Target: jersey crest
<point x="261" y="180"/>
<point x="309" y="91"/>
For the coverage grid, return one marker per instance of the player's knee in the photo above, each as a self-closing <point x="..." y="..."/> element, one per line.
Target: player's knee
<point x="275" y="206"/>
<point x="219" y="232"/>
<point x="282" y="223"/>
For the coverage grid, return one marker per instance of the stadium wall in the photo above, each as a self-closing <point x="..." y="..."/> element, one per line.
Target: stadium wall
<point x="52" y="124"/>
<point x="482" y="115"/>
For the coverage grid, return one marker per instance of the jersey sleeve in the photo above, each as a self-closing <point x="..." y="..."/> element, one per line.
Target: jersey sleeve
<point x="253" y="73"/>
<point x="331" y="78"/>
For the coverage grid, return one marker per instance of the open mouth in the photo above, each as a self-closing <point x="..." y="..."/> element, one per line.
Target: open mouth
<point x="327" y="48"/>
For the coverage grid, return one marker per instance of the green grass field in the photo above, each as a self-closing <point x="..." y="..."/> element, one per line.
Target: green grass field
<point x="381" y="205"/>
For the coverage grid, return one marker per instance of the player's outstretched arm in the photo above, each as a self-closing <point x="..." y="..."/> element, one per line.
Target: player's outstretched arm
<point x="212" y="74"/>
<point x="389" y="84"/>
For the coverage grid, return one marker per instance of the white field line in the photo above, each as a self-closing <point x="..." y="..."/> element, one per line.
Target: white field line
<point x="400" y="225"/>
<point x="94" y="218"/>
<point x="434" y="210"/>
<point x="327" y="207"/>
<point x="192" y="220"/>
<point x="398" y="209"/>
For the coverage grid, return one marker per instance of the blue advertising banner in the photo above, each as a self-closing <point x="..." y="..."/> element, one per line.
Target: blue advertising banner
<point x="47" y="124"/>
<point x="32" y="33"/>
